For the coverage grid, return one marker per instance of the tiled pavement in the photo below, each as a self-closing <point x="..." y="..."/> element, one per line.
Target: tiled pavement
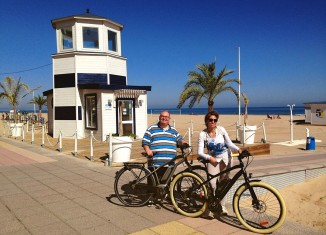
<point x="47" y="192"/>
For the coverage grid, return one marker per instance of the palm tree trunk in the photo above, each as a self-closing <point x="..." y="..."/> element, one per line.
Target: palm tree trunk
<point x="15" y="114"/>
<point x="210" y="105"/>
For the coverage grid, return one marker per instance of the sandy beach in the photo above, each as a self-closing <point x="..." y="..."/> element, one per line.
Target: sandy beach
<point x="306" y="202"/>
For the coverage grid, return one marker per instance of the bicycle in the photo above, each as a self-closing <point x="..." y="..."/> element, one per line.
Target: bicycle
<point x="137" y="184"/>
<point x="258" y="206"/>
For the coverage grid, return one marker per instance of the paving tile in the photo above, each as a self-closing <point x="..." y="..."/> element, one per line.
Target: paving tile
<point x="97" y="208"/>
<point x="65" y="188"/>
<point x="19" y="201"/>
<point x="103" y="229"/>
<point x="147" y="231"/>
<point x="11" y="225"/>
<point x="156" y="215"/>
<point x="196" y="222"/>
<point x="89" y="199"/>
<point x="91" y="185"/>
<point x="80" y="180"/>
<point x="211" y="229"/>
<point x="66" y="204"/>
<point x="84" y="222"/>
<point x="32" y="185"/>
<point x="126" y="220"/>
<point x="77" y="193"/>
<point x="29" y="211"/>
<point x="70" y="213"/>
<point x="10" y="191"/>
<point x="51" y="198"/>
<point x="54" y="229"/>
<point x="42" y="193"/>
<point x="173" y="227"/>
<point x="39" y="220"/>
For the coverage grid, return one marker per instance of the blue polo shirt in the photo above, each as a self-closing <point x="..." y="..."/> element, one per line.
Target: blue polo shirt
<point x="163" y="142"/>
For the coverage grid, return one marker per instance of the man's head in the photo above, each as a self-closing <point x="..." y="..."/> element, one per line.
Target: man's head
<point x="164" y="118"/>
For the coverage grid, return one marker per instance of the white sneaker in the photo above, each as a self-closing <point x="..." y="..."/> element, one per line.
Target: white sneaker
<point x="224" y="211"/>
<point x="207" y="214"/>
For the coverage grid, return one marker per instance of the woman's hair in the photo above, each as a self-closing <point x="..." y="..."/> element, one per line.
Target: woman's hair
<point x="209" y="114"/>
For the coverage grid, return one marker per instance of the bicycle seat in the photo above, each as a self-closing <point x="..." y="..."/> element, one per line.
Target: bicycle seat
<point x="204" y="161"/>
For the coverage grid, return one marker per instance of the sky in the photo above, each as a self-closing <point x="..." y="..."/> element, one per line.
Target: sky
<point x="282" y="45"/>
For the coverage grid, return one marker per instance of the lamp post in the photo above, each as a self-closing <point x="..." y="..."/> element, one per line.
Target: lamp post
<point x="291" y="121"/>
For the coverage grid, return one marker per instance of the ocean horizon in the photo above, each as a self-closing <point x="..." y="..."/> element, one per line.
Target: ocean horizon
<point x="297" y="110"/>
<point x="284" y="110"/>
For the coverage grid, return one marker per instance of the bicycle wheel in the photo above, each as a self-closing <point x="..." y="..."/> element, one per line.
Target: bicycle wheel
<point x="266" y="217"/>
<point x="129" y="190"/>
<point x="200" y="170"/>
<point x="187" y="196"/>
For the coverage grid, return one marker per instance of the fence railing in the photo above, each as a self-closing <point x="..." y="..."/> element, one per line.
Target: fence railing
<point x="37" y="134"/>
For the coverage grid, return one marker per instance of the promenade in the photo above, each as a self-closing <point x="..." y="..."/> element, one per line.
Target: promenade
<point x="48" y="192"/>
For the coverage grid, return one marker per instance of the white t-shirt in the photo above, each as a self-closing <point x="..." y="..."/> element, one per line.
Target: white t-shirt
<point x="217" y="146"/>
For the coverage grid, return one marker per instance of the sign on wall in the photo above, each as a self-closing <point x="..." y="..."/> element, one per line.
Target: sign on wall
<point x="108" y="105"/>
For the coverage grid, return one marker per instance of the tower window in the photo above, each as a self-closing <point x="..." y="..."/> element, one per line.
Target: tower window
<point x="90" y="37"/>
<point x="112" y="39"/>
<point x="66" y="37"/>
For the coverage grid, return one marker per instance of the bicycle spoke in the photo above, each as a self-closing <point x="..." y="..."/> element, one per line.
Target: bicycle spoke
<point x="188" y="196"/>
<point x="267" y="213"/>
<point x="129" y="190"/>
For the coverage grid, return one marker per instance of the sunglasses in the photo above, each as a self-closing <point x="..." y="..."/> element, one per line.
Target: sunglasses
<point x="212" y="120"/>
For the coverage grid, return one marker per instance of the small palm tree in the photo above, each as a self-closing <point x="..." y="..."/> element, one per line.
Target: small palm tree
<point x="206" y="84"/>
<point x="40" y="101"/>
<point x="246" y="102"/>
<point x="14" y="92"/>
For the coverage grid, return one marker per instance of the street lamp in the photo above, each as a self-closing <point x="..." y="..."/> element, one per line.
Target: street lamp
<point x="291" y="121"/>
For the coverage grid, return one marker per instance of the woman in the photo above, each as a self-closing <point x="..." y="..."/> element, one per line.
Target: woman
<point x="217" y="141"/>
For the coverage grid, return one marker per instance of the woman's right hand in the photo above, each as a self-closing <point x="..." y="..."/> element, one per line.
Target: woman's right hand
<point x="213" y="161"/>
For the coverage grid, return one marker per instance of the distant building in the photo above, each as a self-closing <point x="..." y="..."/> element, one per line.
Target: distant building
<point x="315" y="113"/>
<point x="90" y="86"/>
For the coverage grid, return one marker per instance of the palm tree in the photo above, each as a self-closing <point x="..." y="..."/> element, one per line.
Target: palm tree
<point x="206" y="84"/>
<point x="246" y="102"/>
<point x="14" y="92"/>
<point x="40" y="101"/>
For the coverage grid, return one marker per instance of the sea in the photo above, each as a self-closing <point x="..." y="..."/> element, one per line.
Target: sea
<point x="297" y="110"/>
<point x="284" y="110"/>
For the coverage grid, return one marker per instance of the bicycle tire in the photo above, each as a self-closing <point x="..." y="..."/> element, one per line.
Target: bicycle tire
<point x="185" y="198"/>
<point x="125" y="186"/>
<point x="266" y="219"/>
<point x="200" y="170"/>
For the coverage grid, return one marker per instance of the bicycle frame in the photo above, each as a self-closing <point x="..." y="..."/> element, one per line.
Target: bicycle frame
<point x="158" y="181"/>
<point x="233" y="180"/>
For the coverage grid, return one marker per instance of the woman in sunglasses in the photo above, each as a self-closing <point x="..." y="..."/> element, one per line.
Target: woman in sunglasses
<point x="218" y="144"/>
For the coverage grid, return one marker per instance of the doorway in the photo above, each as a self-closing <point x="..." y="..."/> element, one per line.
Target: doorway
<point x="125" y="116"/>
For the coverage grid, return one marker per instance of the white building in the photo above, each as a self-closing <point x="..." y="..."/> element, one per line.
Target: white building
<point x="90" y="86"/>
<point x="315" y="113"/>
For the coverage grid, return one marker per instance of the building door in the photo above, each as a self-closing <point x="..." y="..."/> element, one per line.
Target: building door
<point x="125" y="117"/>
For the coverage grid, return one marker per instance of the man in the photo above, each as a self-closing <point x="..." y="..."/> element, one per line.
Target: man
<point x="160" y="140"/>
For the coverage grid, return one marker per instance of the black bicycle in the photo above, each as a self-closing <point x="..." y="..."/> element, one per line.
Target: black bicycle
<point x="138" y="183"/>
<point x="258" y="206"/>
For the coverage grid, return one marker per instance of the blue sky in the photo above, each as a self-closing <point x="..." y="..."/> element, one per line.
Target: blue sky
<point x="283" y="45"/>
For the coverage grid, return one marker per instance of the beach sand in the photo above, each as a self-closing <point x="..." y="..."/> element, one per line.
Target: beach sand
<point x="306" y="202"/>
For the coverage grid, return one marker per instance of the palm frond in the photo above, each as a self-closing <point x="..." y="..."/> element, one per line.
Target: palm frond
<point x="204" y="83"/>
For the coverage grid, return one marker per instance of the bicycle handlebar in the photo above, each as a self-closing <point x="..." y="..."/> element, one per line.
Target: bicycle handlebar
<point x="244" y="154"/>
<point x="183" y="155"/>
